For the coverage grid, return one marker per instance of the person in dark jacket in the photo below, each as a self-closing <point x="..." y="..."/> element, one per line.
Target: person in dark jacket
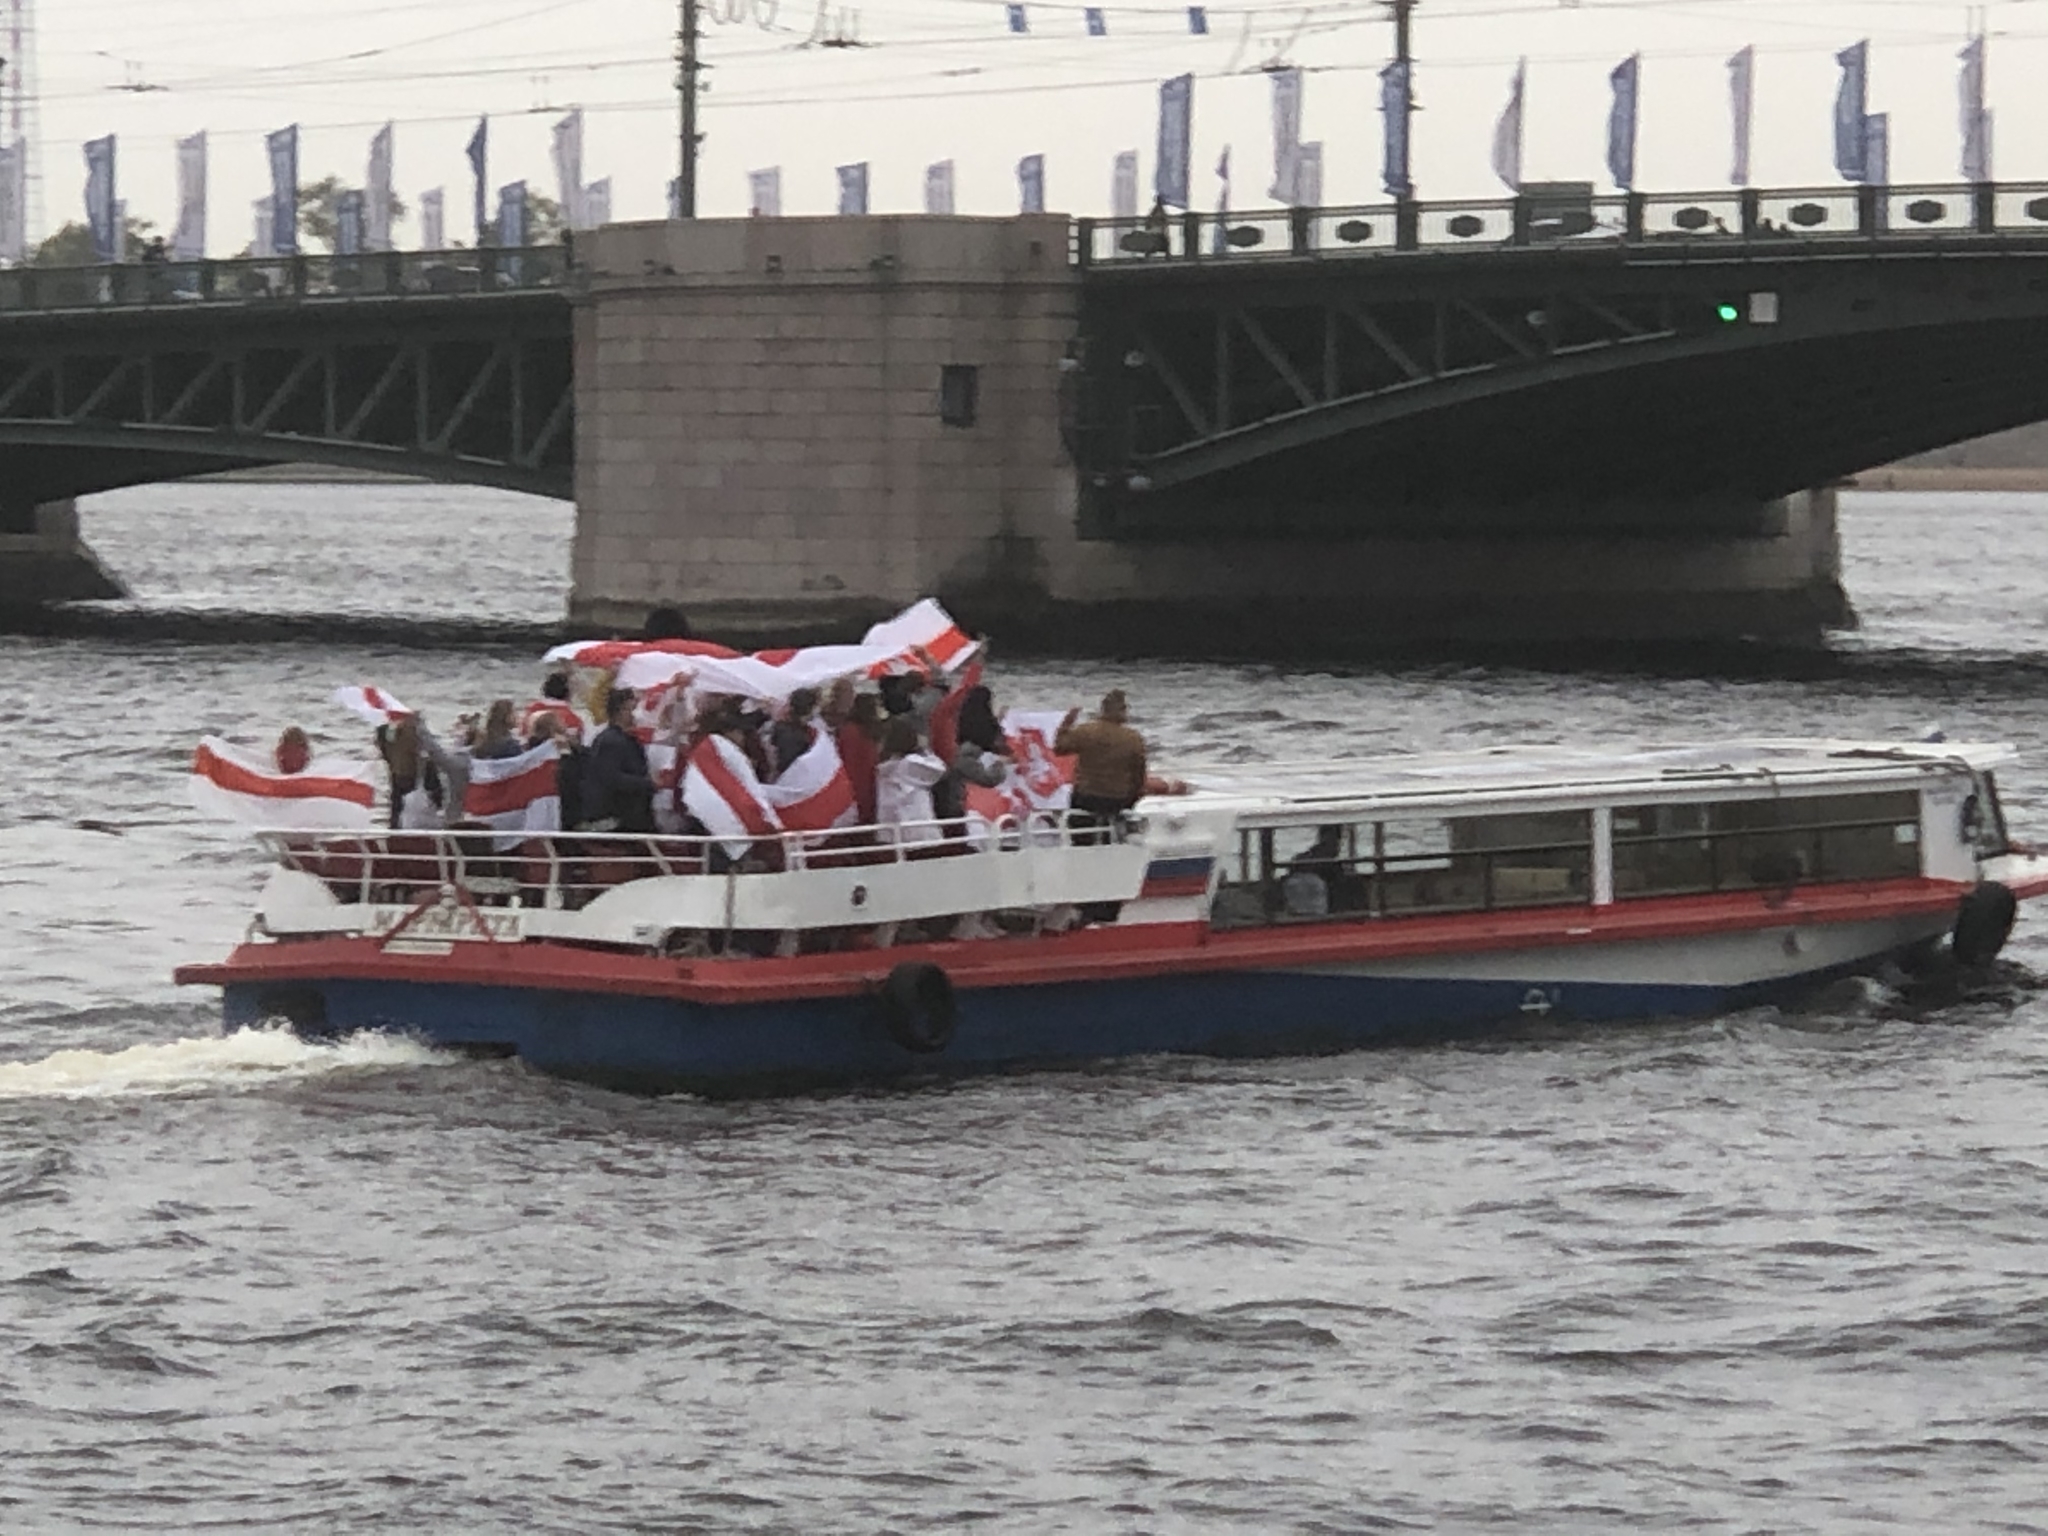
<point x="618" y="791"/>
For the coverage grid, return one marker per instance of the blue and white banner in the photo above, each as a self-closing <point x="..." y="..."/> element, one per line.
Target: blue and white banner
<point x="1176" y="140"/>
<point x="284" y="190"/>
<point x="1396" y="105"/>
<point x="568" y="158"/>
<point x="1507" y="133"/>
<point x="377" y="193"/>
<point x="1627" y="81"/>
<point x="433" y="220"/>
<point x="512" y="215"/>
<point x="1286" y="136"/>
<point x="479" y="153"/>
<point x="1096" y="22"/>
<point x="188" y="236"/>
<point x="1198" y="20"/>
<point x="1852" y="111"/>
<point x="1219" y="242"/>
<point x="100" y="214"/>
<point x="1308" y="175"/>
<point x="1031" y="184"/>
<point x="1976" y="120"/>
<point x="1123" y="185"/>
<point x="1018" y="21"/>
<point x="853" y="189"/>
<point x="938" y="188"/>
<point x="348" y="223"/>
<point x="764" y="192"/>
<point x="265" y="243"/>
<point x="1742" y="104"/>
<point x="597" y="203"/>
<point x="675" y="198"/>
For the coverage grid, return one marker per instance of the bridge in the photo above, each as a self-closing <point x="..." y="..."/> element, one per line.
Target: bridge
<point x="452" y="366"/>
<point x="1197" y="430"/>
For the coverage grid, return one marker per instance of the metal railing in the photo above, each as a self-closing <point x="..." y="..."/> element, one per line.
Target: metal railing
<point x="285" y="279"/>
<point x="1729" y="216"/>
<point x="567" y="870"/>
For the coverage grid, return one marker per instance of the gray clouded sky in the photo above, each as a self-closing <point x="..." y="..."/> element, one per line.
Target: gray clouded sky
<point x="944" y="79"/>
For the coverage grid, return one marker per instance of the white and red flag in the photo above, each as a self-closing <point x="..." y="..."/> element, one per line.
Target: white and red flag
<point x="328" y="795"/>
<point x="602" y="654"/>
<point x="372" y="703"/>
<point x="1039" y="778"/>
<point x="722" y="791"/>
<point x="814" y="793"/>
<point x="517" y="796"/>
<point x="560" y="711"/>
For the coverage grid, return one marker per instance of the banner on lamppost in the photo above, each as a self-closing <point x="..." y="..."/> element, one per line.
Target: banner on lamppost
<point x="433" y="220"/>
<point x="13" y="233"/>
<point x="1396" y="105"/>
<point x="1976" y="120"/>
<point x="377" y="193"/>
<point x="265" y="243"/>
<point x="348" y="223"/>
<point x="1852" y="114"/>
<point x="100" y="215"/>
<point x="853" y="189"/>
<point x="1308" y="174"/>
<point x="1031" y="184"/>
<point x="1742" y="103"/>
<point x="512" y="215"/>
<point x="1176" y="140"/>
<point x="938" y="187"/>
<point x="479" y="153"/>
<point x="1123" y="186"/>
<point x="1219" y="241"/>
<point x="764" y="192"/>
<point x="1627" y="81"/>
<point x="1507" y="133"/>
<point x="1877" y="149"/>
<point x="188" y="237"/>
<point x="568" y="155"/>
<point x="1286" y="136"/>
<point x="597" y="203"/>
<point x="284" y="190"/>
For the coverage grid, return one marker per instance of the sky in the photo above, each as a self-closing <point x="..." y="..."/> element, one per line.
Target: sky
<point x="945" y="79"/>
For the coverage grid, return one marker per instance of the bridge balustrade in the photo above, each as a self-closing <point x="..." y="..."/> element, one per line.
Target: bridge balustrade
<point x="1556" y="216"/>
<point x="382" y="275"/>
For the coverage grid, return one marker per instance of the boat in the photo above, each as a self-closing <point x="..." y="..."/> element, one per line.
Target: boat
<point x="1267" y="911"/>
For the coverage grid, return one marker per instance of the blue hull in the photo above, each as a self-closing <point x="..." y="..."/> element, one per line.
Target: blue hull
<point x="657" y="1045"/>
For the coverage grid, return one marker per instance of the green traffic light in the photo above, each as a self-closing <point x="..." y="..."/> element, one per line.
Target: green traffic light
<point x="1729" y="314"/>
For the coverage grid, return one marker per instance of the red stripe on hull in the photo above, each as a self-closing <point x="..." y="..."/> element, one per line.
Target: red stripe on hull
<point x="1094" y="954"/>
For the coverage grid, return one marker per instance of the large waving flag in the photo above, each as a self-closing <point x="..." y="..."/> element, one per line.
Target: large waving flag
<point x="516" y="795"/>
<point x="329" y="795"/>
<point x="815" y="793"/>
<point x="721" y="790"/>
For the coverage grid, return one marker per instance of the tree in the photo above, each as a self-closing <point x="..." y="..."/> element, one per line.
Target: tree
<point x="71" y="246"/>
<point x="320" y="210"/>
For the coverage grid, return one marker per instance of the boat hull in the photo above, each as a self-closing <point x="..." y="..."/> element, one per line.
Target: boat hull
<point x="660" y="1043"/>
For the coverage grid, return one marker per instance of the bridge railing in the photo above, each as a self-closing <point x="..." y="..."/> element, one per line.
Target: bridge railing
<point x="284" y="279"/>
<point x="1570" y="214"/>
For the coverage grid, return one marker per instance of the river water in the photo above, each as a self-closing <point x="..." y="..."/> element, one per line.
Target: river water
<point x="1778" y="1272"/>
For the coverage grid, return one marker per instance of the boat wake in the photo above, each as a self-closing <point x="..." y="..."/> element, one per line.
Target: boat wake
<point x="245" y="1059"/>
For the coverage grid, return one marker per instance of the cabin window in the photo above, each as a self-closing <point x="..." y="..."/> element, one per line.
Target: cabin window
<point x="1407" y="868"/>
<point x="1745" y="845"/>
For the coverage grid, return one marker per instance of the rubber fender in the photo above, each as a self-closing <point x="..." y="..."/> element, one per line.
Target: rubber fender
<point x="918" y="1007"/>
<point x="1984" y="920"/>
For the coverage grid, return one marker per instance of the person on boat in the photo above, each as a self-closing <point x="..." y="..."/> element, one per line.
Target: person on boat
<point x="617" y="790"/>
<point x="568" y="765"/>
<point x="859" y="738"/>
<point x="419" y="790"/>
<point x="498" y="738"/>
<point x="553" y="704"/>
<point x="1310" y="880"/>
<point x="293" y="751"/>
<point x="904" y="778"/>
<point x="968" y="738"/>
<point x="791" y="734"/>
<point x="1109" y="760"/>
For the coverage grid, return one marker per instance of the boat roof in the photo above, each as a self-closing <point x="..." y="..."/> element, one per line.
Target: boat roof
<point x="1570" y="774"/>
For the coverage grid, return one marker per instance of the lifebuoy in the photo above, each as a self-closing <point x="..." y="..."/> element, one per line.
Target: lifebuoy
<point x="1984" y="920"/>
<point x="918" y="1007"/>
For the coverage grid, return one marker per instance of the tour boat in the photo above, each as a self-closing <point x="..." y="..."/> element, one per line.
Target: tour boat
<point x="1268" y="911"/>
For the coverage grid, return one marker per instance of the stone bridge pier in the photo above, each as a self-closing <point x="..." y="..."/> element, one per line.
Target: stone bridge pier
<point x="789" y="427"/>
<point x="42" y="558"/>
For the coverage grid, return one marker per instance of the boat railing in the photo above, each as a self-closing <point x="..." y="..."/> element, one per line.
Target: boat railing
<point x="570" y="869"/>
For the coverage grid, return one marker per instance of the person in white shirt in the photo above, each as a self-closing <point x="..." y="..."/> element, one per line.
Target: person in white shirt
<point x="903" y="784"/>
